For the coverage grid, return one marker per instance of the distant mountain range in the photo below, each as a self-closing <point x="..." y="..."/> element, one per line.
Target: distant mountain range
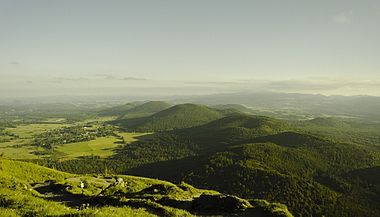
<point x="294" y="105"/>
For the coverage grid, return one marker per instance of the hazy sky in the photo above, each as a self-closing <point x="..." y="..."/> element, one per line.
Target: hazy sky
<point x="61" y="46"/>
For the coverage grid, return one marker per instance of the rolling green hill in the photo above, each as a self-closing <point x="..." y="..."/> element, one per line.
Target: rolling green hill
<point x="176" y="117"/>
<point x="244" y="170"/>
<point x="119" y="110"/>
<point x="234" y="128"/>
<point x="135" y="109"/>
<point x="353" y="131"/>
<point x="145" y="109"/>
<point x="31" y="190"/>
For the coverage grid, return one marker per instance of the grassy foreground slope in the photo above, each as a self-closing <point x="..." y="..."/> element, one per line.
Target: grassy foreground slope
<point x="27" y="189"/>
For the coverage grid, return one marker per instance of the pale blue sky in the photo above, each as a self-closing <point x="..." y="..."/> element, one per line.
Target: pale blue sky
<point x="45" y="42"/>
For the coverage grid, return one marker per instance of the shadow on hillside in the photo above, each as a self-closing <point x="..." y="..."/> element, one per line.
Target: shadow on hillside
<point x="205" y="205"/>
<point x="56" y="192"/>
<point x="170" y="170"/>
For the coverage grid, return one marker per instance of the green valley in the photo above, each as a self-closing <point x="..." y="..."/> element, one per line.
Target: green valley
<point x="316" y="167"/>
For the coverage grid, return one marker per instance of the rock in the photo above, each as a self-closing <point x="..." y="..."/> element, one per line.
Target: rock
<point x="220" y="202"/>
<point x="158" y="188"/>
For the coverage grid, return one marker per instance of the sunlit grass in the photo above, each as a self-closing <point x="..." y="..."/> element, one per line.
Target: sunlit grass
<point x="132" y="137"/>
<point x="19" y="149"/>
<point x="26" y="131"/>
<point x="102" y="147"/>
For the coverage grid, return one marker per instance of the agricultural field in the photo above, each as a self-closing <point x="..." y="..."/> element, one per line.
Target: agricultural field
<point x="16" y="141"/>
<point x="27" y="131"/>
<point x="129" y="137"/>
<point x="16" y="149"/>
<point x="100" y="147"/>
<point x="89" y="137"/>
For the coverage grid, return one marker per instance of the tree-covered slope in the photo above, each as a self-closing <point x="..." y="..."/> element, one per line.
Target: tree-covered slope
<point x="176" y="117"/>
<point x="342" y="157"/>
<point x="135" y="109"/>
<point x="31" y="190"/>
<point x="234" y="170"/>
<point x="233" y="129"/>
<point x="308" y="181"/>
<point x="363" y="133"/>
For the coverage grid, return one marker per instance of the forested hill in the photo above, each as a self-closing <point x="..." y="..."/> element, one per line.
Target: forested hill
<point x="119" y="110"/>
<point x="146" y="109"/>
<point x="234" y="128"/>
<point x="176" y="117"/>
<point x="135" y="109"/>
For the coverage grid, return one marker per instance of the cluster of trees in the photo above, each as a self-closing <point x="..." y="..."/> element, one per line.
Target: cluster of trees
<point x="158" y="147"/>
<point x="305" y="198"/>
<point x="71" y="134"/>
<point x="6" y="136"/>
<point x="6" y="124"/>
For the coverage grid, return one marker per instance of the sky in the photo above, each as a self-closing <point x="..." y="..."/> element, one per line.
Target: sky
<point x="168" y="47"/>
